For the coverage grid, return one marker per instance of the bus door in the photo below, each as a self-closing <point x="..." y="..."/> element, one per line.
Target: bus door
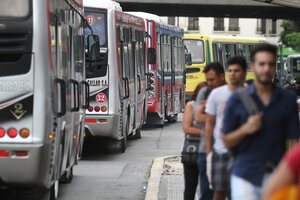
<point x="172" y="73"/>
<point x="135" y="75"/>
<point x="128" y="77"/>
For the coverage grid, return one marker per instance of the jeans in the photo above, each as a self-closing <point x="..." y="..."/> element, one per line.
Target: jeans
<point x="190" y="181"/>
<point x="205" y="192"/>
<point x="245" y="190"/>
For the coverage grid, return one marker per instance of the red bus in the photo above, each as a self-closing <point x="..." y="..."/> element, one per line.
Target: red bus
<point x="166" y="95"/>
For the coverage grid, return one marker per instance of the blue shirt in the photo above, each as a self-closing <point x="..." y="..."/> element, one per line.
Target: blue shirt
<point x="279" y="123"/>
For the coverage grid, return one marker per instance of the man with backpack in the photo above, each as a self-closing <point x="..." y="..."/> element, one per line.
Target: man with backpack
<point x="221" y="157"/>
<point x="215" y="77"/>
<point x="257" y="123"/>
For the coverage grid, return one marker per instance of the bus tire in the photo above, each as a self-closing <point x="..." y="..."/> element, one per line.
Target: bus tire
<point x="137" y="134"/>
<point x="173" y="119"/>
<point x="67" y="177"/>
<point x="124" y="140"/>
<point x="52" y="193"/>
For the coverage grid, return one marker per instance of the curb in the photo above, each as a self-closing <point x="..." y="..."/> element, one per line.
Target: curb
<point x="154" y="179"/>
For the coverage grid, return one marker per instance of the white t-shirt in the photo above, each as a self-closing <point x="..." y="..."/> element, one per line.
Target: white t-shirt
<point x="216" y="106"/>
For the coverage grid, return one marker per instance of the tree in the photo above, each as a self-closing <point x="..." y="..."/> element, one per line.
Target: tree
<point x="293" y="40"/>
<point x="287" y="29"/>
<point x="289" y="37"/>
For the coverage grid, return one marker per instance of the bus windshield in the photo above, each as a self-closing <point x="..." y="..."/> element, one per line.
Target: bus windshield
<point x="196" y="48"/>
<point x="296" y="64"/>
<point x="98" y="23"/>
<point x="14" y="8"/>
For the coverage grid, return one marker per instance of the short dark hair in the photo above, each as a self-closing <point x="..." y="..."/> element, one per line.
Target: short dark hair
<point x="240" y="60"/>
<point x="215" y="66"/>
<point x="263" y="47"/>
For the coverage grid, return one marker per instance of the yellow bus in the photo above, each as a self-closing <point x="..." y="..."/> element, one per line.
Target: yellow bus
<point x="206" y="49"/>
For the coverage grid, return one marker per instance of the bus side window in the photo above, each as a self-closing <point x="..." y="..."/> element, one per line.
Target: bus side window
<point x="215" y="52"/>
<point x="158" y="61"/>
<point x="231" y="50"/>
<point x="225" y="55"/>
<point x="247" y="53"/>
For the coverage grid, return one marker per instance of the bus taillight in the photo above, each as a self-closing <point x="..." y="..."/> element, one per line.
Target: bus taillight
<point x="97" y="108"/>
<point x="90" y="109"/>
<point x="2" y="132"/>
<point x="24" y="133"/>
<point x="12" y="133"/>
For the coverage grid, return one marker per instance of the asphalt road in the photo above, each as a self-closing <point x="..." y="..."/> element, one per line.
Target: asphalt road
<point x="104" y="176"/>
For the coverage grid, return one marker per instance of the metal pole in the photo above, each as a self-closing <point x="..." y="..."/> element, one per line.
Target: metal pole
<point x="281" y="66"/>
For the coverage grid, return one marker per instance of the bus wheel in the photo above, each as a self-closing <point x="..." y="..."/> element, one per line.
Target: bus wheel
<point x="67" y="177"/>
<point x="52" y="193"/>
<point x="138" y="134"/>
<point x="124" y="140"/>
<point x="173" y="119"/>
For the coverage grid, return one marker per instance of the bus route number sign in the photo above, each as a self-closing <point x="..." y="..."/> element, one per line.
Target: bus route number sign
<point x="91" y="19"/>
<point x="101" y="98"/>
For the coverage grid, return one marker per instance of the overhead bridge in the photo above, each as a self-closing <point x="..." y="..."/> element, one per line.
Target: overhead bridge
<point x="213" y="8"/>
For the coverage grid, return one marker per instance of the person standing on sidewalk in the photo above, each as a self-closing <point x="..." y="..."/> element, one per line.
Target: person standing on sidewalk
<point x="189" y="154"/>
<point x="259" y="140"/>
<point x="221" y="157"/>
<point x="215" y="77"/>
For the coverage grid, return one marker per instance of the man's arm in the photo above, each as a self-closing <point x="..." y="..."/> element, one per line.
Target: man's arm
<point x="209" y="128"/>
<point x="252" y="125"/>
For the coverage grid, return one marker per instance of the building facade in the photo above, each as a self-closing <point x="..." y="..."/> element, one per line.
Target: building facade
<point x="244" y="27"/>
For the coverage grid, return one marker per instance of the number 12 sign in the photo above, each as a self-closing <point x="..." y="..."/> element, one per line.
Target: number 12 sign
<point x="101" y="98"/>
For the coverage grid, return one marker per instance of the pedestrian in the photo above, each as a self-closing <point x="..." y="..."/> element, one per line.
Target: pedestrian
<point x="189" y="154"/>
<point x="221" y="157"/>
<point x="258" y="138"/>
<point x="215" y="77"/>
<point x="248" y="82"/>
<point x="285" y="175"/>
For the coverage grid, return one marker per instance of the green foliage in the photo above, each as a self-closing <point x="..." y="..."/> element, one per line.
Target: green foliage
<point x="289" y="37"/>
<point x="287" y="29"/>
<point x="293" y="40"/>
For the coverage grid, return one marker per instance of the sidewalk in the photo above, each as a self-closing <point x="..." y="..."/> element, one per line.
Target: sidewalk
<point x="166" y="180"/>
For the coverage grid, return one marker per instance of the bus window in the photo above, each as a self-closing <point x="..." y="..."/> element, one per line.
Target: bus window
<point x="296" y="64"/>
<point x="158" y="61"/>
<point x="231" y="50"/>
<point x="247" y="53"/>
<point x="14" y="8"/>
<point x="215" y="52"/>
<point x="126" y="61"/>
<point x="99" y="27"/>
<point x="196" y="48"/>
<point x="225" y="56"/>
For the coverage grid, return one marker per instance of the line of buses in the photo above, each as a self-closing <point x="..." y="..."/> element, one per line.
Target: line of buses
<point x="76" y="68"/>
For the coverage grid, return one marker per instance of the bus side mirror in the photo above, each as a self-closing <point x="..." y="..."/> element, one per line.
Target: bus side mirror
<point x="152" y="56"/>
<point x="188" y="58"/>
<point x="93" y="47"/>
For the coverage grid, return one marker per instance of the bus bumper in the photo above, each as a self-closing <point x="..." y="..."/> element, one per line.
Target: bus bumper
<point x="152" y="106"/>
<point x="32" y="169"/>
<point x="104" y="125"/>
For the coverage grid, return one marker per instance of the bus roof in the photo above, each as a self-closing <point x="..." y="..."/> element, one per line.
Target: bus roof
<point x="148" y="16"/>
<point x="132" y="20"/>
<point x="106" y="4"/>
<point x="217" y="38"/>
<point x="294" y="56"/>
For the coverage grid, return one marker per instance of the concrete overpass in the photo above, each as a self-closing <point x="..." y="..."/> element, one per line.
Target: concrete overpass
<point x="213" y="8"/>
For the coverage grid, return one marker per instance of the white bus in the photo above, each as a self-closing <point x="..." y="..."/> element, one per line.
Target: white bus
<point x="118" y="80"/>
<point x="43" y="93"/>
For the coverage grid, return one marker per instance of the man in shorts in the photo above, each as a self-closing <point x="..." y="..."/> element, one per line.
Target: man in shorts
<point x="215" y="77"/>
<point x="221" y="157"/>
